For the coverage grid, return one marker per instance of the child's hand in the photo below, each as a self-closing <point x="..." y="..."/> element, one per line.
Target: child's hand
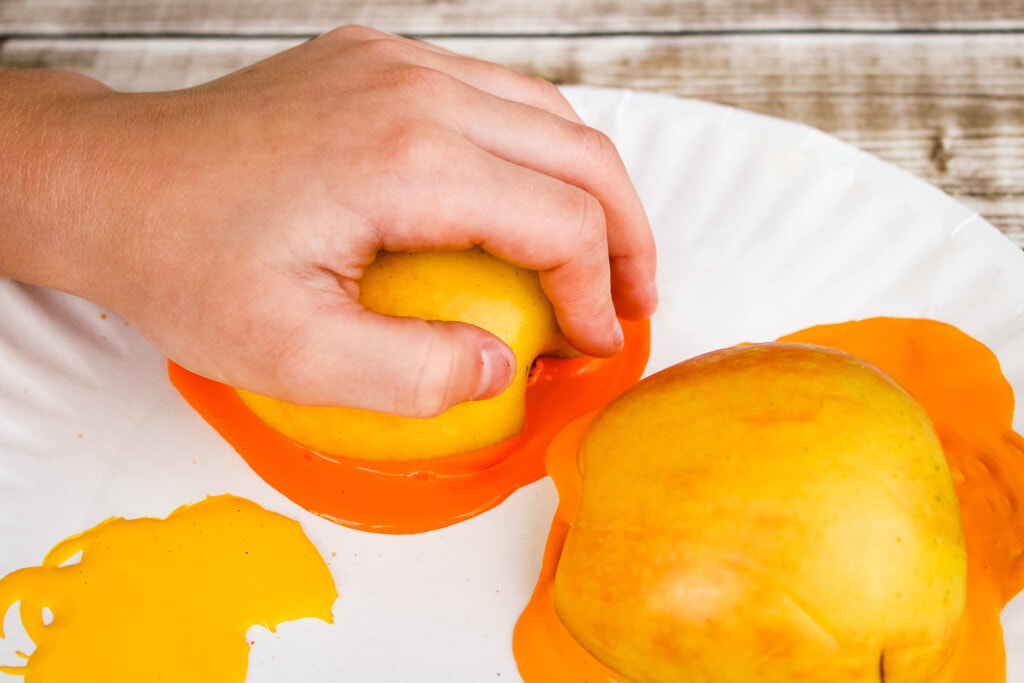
<point x="231" y="222"/>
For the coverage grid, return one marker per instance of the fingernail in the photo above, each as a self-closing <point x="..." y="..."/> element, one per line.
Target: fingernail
<point x="618" y="336"/>
<point x="654" y="297"/>
<point x="496" y="370"/>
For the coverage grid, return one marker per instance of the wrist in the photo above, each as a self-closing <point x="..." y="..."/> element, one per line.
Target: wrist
<point x="54" y="167"/>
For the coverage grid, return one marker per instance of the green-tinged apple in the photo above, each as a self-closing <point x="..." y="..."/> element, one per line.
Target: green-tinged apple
<point x="768" y="513"/>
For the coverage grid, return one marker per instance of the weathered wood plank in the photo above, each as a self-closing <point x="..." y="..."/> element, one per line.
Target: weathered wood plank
<point x="947" y="108"/>
<point x="143" y="64"/>
<point x="462" y="17"/>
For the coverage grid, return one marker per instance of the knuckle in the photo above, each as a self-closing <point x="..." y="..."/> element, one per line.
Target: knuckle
<point x="578" y="232"/>
<point x="596" y="151"/>
<point x="418" y="79"/>
<point x="588" y="229"/>
<point x="396" y="55"/>
<point x="349" y="35"/>
<point x="386" y="49"/>
<point x="425" y="400"/>
<point x="417" y="146"/>
<point x="429" y="394"/>
<point x="543" y="92"/>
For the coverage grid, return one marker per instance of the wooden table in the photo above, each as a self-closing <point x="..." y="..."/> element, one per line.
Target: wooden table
<point x="936" y="87"/>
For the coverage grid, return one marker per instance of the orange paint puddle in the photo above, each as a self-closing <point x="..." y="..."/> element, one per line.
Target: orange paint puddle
<point x="150" y="599"/>
<point x="959" y="383"/>
<point x="543" y="648"/>
<point x="412" y="497"/>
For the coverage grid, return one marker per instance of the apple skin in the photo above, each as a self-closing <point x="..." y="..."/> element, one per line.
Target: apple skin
<point x="777" y="513"/>
<point x="470" y="286"/>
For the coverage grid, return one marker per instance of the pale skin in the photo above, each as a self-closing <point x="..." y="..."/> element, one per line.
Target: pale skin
<point x="231" y="222"/>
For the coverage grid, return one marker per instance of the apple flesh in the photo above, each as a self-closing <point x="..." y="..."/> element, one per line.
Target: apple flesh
<point x="470" y="286"/>
<point x="778" y="513"/>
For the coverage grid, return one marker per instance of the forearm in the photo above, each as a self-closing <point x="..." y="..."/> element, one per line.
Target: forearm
<point x="53" y="164"/>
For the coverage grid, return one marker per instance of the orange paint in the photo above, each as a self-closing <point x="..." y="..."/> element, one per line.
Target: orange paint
<point x="151" y="599"/>
<point x="543" y="648"/>
<point x="411" y="497"/>
<point x="959" y="383"/>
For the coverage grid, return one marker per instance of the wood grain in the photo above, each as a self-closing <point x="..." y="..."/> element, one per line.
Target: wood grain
<point x="500" y="17"/>
<point x="948" y="108"/>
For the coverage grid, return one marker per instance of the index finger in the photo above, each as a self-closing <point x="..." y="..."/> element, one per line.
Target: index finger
<point x="527" y="121"/>
<point x="587" y="159"/>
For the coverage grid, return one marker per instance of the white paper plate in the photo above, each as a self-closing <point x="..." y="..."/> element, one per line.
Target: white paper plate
<point x="764" y="227"/>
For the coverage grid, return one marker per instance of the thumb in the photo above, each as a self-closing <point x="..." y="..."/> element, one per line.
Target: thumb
<point x="403" y="366"/>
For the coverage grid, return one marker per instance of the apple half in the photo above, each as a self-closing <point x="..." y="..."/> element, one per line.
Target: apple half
<point x="769" y="512"/>
<point x="787" y="513"/>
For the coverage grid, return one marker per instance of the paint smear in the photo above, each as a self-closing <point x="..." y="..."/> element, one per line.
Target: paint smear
<point x="166" y="599"/>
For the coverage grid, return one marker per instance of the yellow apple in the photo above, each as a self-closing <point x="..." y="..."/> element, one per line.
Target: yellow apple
<point x="769" y="513"/>
<point x="470" y="286"/>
